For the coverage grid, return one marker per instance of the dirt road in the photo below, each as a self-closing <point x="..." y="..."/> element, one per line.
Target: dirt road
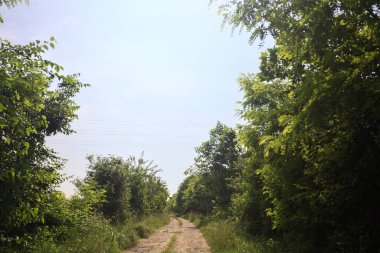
<point x="179" y="236"/>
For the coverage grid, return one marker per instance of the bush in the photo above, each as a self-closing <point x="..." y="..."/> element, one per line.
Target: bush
<point x="225" y="237"/>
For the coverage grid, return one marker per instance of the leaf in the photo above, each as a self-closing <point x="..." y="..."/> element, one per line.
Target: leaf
<point x="2" y="107"/>
<point x="35" y="212"/>
<point x="26" y="144"/>
<point x="26" y="102"/>
<point x="265" y="139"/>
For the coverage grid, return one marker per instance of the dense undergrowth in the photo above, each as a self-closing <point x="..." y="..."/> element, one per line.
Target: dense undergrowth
<point x="102" y="217"/>
<point x="226" y="236"/>
<point x="94" y="234"/>
<point x="98" y="235"/>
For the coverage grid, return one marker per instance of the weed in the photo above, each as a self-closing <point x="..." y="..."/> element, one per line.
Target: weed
<point x="170" y="247"/>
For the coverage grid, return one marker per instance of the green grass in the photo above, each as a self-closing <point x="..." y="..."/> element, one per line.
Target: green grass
<point x="194" y="218"/>
<point x="131" y="232"/>
<point x="94" y="234"/>
<point x="224" y="236"/>
<point x="170" y="247"/>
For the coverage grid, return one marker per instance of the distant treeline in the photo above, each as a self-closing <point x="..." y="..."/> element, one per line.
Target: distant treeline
<point x="302" y="173"/>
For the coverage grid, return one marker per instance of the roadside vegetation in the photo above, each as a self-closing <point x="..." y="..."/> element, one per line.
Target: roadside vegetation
<point x="103" y="216"/>
<point x="118" y="202"/>
<point x="301" y="173"/>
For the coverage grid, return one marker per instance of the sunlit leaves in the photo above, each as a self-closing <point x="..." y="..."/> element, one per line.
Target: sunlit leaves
<point x="130" y="187"/>
<point x="29" y="109"/>
<point x="312" y="119"/>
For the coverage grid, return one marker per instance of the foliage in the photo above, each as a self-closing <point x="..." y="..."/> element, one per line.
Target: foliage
<point x="36" y="101"/>
<point x="225" y="237"/>
<point x="73" y="226"/>
<point x="192" y="196"/>
<point x="30" y="110"/>
<point x="207" y="189"/>
<point x="131" y="187"/>
<point x="312" y="120"/>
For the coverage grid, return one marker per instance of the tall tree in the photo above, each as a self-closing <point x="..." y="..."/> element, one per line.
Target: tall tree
<point x="30" y="110"/>
<point x="321" y="164"/>
<point x="214" y="168"/>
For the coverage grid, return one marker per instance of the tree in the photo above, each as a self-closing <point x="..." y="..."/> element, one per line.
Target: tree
<point x="320" y="165"/>
<point x="111" y="175"/>
<point x="30" y="110"/>
<point x="208" y="187"/>
<point x="193" y="196"/>
<point x="131" y="187"/>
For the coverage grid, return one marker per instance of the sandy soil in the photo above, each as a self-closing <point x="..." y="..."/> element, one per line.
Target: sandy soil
<point x="189" y="239"/>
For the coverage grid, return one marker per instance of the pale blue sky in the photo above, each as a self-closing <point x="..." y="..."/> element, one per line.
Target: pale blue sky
<point x="162" y="73"/>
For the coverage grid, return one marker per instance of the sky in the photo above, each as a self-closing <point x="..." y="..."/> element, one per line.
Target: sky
<point x="162" y="73"/>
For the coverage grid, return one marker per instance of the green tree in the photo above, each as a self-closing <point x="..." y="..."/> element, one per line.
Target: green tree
<point x="30" y="109"/>
<point x="208" y="187"/>
<point x="132" y="187"/>
<point x="149" y="194"/>
<point x="193" y="196"/>
<point x="320" y="165"/>
<point x="111" y="175"/>
<point x="215" y="164"/>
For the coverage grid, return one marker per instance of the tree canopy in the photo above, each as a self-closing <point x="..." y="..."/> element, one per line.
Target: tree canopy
<point x="208" y="186"/>
<point x="35" y="101"/>
<point x="312" y="117"/>
<point x="131" y="187"/>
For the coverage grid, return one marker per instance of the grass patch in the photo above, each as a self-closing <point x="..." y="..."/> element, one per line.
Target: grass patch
<point x="93" y="234"/>
<point x="194" y="218"/>
<point x="131" y="232"/>
<point x="170" y="247"/>
<point x="226" y="237"/>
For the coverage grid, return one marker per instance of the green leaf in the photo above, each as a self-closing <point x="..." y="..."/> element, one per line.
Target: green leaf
<point x="265" y="139"/>
<point x="27" y="102"/>
<point x="26" y="144"/>
<point x="35" y="212"/>
<point x="2" y="107"/>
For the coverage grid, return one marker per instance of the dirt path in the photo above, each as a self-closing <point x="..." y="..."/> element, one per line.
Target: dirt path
<point x="190" y="240"/>
<point x="187" y="239"/>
